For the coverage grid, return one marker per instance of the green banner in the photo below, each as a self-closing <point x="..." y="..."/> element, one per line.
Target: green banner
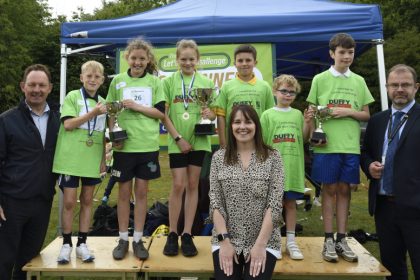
<point x="216" y="62"/>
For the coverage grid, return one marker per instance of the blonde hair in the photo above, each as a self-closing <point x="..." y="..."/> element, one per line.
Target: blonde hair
<point x="141" y="44"/>
<point x="92" y="65"/>
<point x="184" y="44"/>
<point x="285" y="79"/>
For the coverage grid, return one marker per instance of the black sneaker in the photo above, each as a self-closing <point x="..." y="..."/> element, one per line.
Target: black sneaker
<point x="171" y="246"/>
<point x="187" y="245"/>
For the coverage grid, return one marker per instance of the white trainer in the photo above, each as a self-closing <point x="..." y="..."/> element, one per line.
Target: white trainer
<point x="83" y="253"/>
<point x="294" y="252"/>
<point x="65" y="252"/>
<point x="317" y="202"/>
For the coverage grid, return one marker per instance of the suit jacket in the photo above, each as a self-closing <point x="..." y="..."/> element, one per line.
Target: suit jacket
<point x="25" y="163"/>
<point x="406" y="180"/>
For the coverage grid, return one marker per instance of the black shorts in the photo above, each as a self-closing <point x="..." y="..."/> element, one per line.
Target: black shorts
<point x="69" y="181"/>
<point x="140" y="165"/>
<point x="183" y="160"/>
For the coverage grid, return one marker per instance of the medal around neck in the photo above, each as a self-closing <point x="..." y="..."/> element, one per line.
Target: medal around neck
<point x="203" y="97"/>
<point x="322" y="113"/>
<point x="89" y="142"/>
<point x="186" y="115"/>
<point x="113" y="110"/>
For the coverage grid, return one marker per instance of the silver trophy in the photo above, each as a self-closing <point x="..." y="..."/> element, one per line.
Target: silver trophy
<point x="113" y="110"/>
<point x="203" y="97"/>
<point x="322" y="113"/>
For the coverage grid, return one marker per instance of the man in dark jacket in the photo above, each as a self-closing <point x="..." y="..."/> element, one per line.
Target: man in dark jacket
<point x="390" y="159"/>
<point x="28" y="136"/>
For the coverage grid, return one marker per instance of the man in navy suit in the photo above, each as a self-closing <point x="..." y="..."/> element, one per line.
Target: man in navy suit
<point x="391" y="160"/>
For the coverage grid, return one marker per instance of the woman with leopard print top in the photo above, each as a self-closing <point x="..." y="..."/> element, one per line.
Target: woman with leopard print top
<point x="246" y="190"/>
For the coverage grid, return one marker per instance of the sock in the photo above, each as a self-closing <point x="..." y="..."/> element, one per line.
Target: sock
<point x="340" y="236"/>
<point x="67" y="239"/>
<point x="329" y="235"/>
<point x="290" y="235"/>
<point x="81" y="238"/>
<point x="124" y="235"/>
<point x="137" y="236"/>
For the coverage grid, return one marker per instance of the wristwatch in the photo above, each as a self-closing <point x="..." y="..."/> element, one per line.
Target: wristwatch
<point x="179" y="137"/>
<point x="223" y="236"/>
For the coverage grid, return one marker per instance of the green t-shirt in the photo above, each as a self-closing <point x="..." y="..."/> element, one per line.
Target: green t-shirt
<point x="283" y="131"/>
<point x="72" y="155"/>
<point x="142" y="131"/>
<point x="343" y="134"/>
<point x="172" y="86"/>
<point x="256" y="93"/>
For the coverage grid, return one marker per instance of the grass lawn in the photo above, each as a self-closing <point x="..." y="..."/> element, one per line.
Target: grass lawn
<point x="310" y="220"/>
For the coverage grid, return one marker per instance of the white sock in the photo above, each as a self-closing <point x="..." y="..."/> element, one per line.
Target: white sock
<point x="137" y="236"/>
<point x="290" y="235"/>
<point x="124" y="235"/>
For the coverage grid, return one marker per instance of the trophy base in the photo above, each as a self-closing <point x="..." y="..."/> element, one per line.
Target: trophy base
<point x="318" y="137"/>
<point x="204" y="129"/>
<point x="117" y="136"/>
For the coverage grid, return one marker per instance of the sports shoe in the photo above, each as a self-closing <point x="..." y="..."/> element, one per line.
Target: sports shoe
<point x="83" y="253"/>
<point x="343" y="249"/>
<point x="294" y="252"/>
<point x="317" y="202"/>
<point x="122" y="248"/>
<point x="171" y="247"/>
<point x="139" y="250"/>
<point x="187" y="245"/>
<point x="328" y="252"/>
<point x="65" y="252"/>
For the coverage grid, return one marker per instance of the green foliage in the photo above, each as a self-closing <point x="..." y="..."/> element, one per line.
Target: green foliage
<point x="402" y="42"/>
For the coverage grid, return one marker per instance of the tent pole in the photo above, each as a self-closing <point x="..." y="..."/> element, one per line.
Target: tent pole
<point x="63" y="77"/>
<point x="381" y="72"/>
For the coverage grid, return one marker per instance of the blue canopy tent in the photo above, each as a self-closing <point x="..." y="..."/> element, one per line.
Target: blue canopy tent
<point x="299" y="29"/>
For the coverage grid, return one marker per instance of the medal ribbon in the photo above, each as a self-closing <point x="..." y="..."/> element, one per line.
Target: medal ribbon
<point x="186" y="95"/>
<point x="90" y="132"/>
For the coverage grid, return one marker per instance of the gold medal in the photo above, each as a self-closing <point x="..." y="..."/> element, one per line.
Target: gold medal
<point x="186" y="116"/>
<point x="89" y="142"/>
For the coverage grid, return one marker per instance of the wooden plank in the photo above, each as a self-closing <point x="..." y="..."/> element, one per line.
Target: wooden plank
<point x="202" y="263"/>
<point x="101" y="247"/>
<point x="314" y="265"/>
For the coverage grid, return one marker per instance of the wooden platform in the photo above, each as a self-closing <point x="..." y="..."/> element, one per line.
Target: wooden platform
<point x="103" y="266"/>
<point x="312" y="267"/>
<point x="159" y="265"/>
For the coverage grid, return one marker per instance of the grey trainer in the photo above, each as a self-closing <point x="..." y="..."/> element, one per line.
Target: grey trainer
<point x="328" y="253"/>
<point x="122" y="248"/>
<point x="139" y="250"/>
<point x="343" y="250"/>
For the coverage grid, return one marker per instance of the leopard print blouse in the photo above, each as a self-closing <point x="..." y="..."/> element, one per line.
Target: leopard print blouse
<point x="242" y="196"/>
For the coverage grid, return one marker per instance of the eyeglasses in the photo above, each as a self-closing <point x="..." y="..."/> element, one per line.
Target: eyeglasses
<point x="397" y="86"/>
<point x="287" y="92"/>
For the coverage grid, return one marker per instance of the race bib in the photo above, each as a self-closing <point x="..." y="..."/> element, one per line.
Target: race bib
<point x="141" y="95"/>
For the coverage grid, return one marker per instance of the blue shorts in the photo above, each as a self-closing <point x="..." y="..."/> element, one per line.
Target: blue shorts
<point x="334" y="168"/>
<point x="69" y="181"/>
<point x="291" y="195"/>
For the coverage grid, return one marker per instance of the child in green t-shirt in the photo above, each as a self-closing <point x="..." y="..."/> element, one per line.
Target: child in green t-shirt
<point x="245" y="89"/>
<point x="186" y="150"/>
<point x="137" y="156"/>
<point x="79" y="156"/>
<point x="286" y="130"/>
<point x="336" y="162"/>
